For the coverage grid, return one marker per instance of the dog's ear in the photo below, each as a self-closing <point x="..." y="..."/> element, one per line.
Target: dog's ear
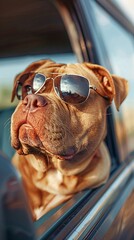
<point x="104" y="82"/>
<point x="121" y="90"/>
<point x="110" y="85"/>
<point x="32" y="67"/>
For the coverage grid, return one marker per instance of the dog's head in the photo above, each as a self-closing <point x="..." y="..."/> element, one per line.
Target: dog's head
<point x="52" y="122"/>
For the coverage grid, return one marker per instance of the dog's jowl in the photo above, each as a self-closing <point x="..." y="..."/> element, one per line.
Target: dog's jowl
<point x="58" y="129"/>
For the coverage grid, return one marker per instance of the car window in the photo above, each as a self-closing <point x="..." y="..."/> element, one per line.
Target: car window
<point x="120" y="52"/>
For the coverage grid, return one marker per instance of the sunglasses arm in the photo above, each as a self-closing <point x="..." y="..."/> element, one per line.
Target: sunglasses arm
<point x="99" y="92"/>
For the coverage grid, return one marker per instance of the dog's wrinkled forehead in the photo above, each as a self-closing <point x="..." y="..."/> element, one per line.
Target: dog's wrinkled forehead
<point x="54" y="69"/>
<point x="50" y="67"/>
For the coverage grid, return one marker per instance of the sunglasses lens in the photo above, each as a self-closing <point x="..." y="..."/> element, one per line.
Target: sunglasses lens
<point x="29" y="83"/>
<point x="19" y="91"/>
<point x="38" y="81"/>
<point x="24" y="89"/>
<point x="72" y="88"/>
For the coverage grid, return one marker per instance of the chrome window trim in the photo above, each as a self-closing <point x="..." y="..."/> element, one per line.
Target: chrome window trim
<point x="113" y="213"/>
<point x="47" y="224"/>
<point x="108" y="195"/>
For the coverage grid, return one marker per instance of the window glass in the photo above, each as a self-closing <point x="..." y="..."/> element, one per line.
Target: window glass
<point x="119" y="45"/>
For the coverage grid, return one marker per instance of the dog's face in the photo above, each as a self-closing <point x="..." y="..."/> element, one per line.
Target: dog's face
<point x="46" y="127"/>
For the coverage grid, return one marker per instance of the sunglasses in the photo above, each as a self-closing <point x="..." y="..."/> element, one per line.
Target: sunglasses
<point x="70" y="88"/>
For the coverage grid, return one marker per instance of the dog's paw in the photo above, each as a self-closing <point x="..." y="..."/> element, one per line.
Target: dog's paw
<point x="38" y="212"/>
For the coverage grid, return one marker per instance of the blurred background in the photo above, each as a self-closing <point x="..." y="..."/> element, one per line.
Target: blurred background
<point x="28" y="32"/>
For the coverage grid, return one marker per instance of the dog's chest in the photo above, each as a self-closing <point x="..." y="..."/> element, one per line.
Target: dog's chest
<point x="53" y="181"/>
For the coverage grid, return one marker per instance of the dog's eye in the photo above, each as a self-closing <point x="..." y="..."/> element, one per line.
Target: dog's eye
<point x="38" y="81"/>
<point x="28" y="89"/>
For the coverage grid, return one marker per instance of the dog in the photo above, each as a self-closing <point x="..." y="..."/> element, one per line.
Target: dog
<point x="58" y="129"/>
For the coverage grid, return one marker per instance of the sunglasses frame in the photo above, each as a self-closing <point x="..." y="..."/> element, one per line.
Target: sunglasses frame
<point x="53" y="78"/>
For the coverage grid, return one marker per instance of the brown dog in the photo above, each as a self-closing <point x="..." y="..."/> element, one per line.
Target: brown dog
<point x="59" y="134"/>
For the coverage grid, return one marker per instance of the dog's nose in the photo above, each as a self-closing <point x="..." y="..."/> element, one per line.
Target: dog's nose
<point x="32" y="102"/>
